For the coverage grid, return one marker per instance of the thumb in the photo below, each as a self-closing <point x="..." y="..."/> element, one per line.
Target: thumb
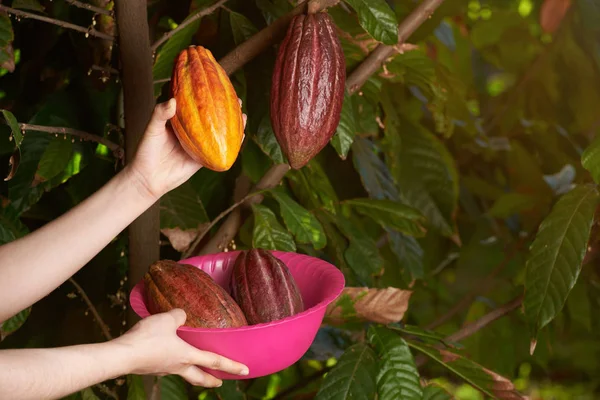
<point x="161" y="114"/>
<point x="179" y="316"/>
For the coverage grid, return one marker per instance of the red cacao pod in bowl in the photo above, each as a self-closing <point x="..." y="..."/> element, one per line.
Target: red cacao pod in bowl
<point x="308" y="86"/>
<point x="208" y="121"/>
<point x="266" y="348"/>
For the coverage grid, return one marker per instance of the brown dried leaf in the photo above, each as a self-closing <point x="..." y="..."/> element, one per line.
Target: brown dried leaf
<point x="552" y="13"/>
<point x="180" y="239"/>
<point x="13" y="161"/>
<point x="9" y="63"/>
<point x="371" y="304"/>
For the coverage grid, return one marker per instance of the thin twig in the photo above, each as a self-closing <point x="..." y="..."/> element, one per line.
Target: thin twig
<point x="376" y="59"/>
<point x="115" y="148"/>
<point x="482" y="285"/>
<point x="64" y="24"/>
<point x="217" y="219"/>
<point x="90" y="7"/>
<point x="110" y="70"/>
<point x="192" y="18"/>
<point x="472" y="328"/>
<point x="97" y="317"/>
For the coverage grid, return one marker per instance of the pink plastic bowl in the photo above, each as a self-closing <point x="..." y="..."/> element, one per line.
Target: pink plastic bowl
<point x="264" y="348"/>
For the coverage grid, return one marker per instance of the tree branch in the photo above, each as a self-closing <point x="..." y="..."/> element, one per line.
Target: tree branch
<point x="88" y="31"/>
<point x="97" y="10"/>
<point x="376" y="59"/>
<point x="97" y="317"/>
<point x="194" y="17"/>
<point x="115" y="148"/>
<point x="230" y="227"/>
<point x="472" y="328"/>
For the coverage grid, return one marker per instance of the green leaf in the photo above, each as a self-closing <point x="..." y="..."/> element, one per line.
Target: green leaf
<point x="6" y="32"/>
<point x="409" y="253"/>
<point x="88" y="394"/>
<point x="241" y="27"/>
<point x="590" y="159"/>
<point x="273" y="9"/>
<point x="229" y="391"/>
<point x="266" y="140"/>
<point x="488" y="382"/>
<point x="14" y="323"/>
<point x="398" y="377"/>
<point x="182" y="208"/>
<point x="375" y="176"/>
<point x="556" y="254"/>
<point x="135" y="388"/>
<point x="362" y="254"/>
<point x="391" y="214"/>
<point x="512" y="203"/>
<point x="165" y="57"/>
<point x="14" y="127"/>
<point x="172" y="387"/>
<point x="55" y="158"/>
<point x="347" y="128"/>
<point x="11" y="227"/>
<point x="28" y="5"/>
<point x="305" y="227"/>
<point x="579" y="306"/>
<point x="353" y="377"/>
<point x="377" y="18"/>
<point x="424" y="334"/>
<point x="432" y="392"/>
<point x="268" y="232"/>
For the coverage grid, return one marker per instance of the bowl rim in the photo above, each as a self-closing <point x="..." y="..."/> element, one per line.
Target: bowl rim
<point x="337" y="277"/>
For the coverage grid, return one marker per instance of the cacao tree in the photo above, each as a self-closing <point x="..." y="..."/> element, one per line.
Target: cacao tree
<point x="458" y="194"/>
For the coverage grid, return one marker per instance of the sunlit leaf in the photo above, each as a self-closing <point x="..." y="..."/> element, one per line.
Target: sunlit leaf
<point x="268" y="232"/>
<point x="398" y="377"/>
<point x="55" y="158"/>
<point x="488" y="382"/>
<point x="555" y="256"/>
<point x="353" y="377"/>
<point x="385" y="305"/>
<point x="135" y="388"/>
<point x="391" y="214"/>
<point x="305" y="227"/>
<point x="377" y="18"/>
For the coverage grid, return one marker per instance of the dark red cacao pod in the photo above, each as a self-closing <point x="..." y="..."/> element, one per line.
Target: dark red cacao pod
<point x="264" y="288"/>
<point x="307" y="89"/>
<point x="172" y="285"/>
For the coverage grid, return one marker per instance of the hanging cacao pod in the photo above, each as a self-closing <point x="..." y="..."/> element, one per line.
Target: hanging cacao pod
<point x="307" y="89"/>
<point x="208" y="121"/>
<point x="172" y="285"/>
<point x="264" y="288"/>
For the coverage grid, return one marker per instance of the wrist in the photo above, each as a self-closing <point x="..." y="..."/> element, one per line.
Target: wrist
<point x="141" y="183"/>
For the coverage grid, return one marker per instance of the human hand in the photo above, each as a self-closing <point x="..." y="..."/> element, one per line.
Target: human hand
<point x="157" y="350"/>
<point x="161" y="164"/>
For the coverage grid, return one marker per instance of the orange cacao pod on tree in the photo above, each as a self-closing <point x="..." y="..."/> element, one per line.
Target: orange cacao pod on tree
<point x="307" y="89"/>
<point x="172" y="285"/>
<point x="264" y="288"/>
<point x="208" y="121"/>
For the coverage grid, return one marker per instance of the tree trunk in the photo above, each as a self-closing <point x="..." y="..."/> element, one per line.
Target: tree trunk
<point x="136" y="74"/>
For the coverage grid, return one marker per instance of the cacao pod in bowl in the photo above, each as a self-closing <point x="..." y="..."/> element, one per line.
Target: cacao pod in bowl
<point x="208" y="121"/>
<point x="266" y="348"/>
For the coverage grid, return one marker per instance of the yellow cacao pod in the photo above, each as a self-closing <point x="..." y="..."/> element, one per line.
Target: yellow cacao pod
<point x="208" y="121"/>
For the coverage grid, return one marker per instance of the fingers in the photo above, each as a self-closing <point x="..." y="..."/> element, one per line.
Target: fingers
<point x="179" y="316"/>
<point x="197" y="377"/>
<point x="161" y="114"/>
<point x="216" y="362"/>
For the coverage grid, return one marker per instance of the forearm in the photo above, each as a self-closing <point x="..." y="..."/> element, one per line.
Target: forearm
<point x="33" y="266"/>
<point x="55" y="373"/>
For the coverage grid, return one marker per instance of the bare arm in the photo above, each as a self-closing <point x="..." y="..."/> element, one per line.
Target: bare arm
<point x="150" y="347"/>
